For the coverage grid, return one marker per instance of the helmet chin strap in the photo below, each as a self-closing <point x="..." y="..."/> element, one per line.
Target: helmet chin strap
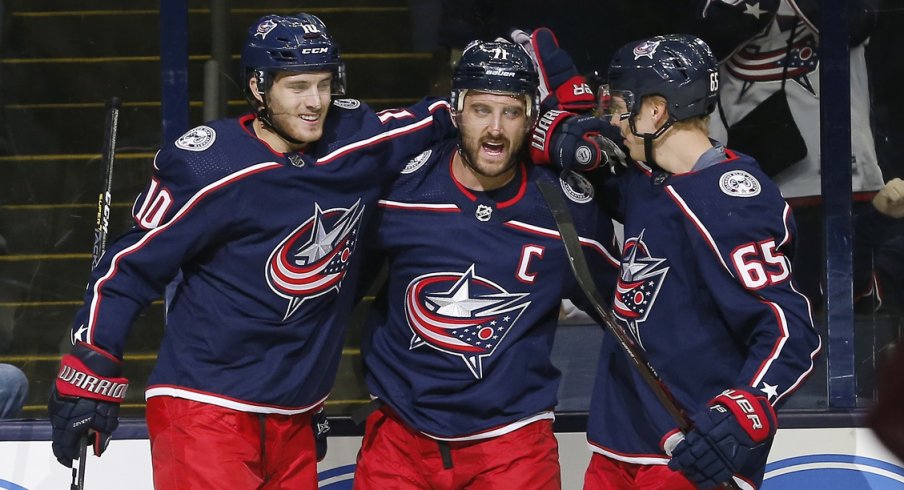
<point x="266" y="116"/>
<point x="648" y="140"/>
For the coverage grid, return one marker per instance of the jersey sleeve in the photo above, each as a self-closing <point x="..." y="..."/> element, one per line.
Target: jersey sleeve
<point x="599" y="244"/>
<point x="172" y="222"/>
<point x="743" y="246"/>
<point x="398" y="135"/>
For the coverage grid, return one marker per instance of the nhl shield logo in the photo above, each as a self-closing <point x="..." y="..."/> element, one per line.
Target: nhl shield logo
<point x="463" y="315"/>
<point x="313" y="259"/>
<point x="484" y="212"/>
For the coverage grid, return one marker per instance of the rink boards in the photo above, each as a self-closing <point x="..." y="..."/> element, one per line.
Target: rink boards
<point x="805" y="458"/>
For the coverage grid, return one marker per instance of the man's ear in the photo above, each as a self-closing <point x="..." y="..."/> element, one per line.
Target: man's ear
<point x="252" y="82"/>
<point x="659" y="111"/>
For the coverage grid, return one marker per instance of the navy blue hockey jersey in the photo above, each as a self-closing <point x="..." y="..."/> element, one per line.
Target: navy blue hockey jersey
<point x="706" y="289"/>
<point x="459" y="340"/>
<point x="267" y="245"/>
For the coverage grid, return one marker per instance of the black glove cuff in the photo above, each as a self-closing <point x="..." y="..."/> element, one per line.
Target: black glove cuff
<point x="99" y="361"/>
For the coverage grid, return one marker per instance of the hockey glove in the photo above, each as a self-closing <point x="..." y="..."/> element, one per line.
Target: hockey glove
<point x="561" y="86"/>
<point x="732" y="436"/>
<point x="574" y="142"/>
<point x="85" y="397"/>
<point x="321" y="426"/>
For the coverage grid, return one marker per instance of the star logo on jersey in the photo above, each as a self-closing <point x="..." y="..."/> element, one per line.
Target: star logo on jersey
<point x="463" y="315"/>
<point x="314" y="258"/>
<point x="638" y="284"/>
<point x="771" y="391"/>
<point x="79" y="334"/>
<point x="760" y="60"/>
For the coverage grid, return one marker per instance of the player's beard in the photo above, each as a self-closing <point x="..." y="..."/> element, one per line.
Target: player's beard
<point x="289" y="125"/>
<point x="470" y="154"/>
<point x="301" y="132"/>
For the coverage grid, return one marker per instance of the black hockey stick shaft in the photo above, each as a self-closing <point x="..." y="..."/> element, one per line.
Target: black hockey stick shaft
<point x="101" y="229"/>
<point x="78" y="477"/>
<point x="102" y="225"/>
<point x="582" y="273"/>
<point x="569" y="235"/>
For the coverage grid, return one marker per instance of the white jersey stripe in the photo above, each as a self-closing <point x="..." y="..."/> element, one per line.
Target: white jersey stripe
<point x="587" y="242"/>
<point x="219" y="401"/>
<point x="339" y="152"/>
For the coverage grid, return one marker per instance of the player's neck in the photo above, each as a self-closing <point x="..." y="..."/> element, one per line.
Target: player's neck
<point x="274" y="140"/>
<point x="474" y="181"/>
<point x="679" y="149"/>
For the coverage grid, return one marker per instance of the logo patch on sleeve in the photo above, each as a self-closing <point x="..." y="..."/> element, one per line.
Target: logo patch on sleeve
<point x="347" y="103"/>
<point x="417" y="162"/>
<point x="738" y="183"/>
<point x="197" y="139"/>
<point x="576" y="187"/>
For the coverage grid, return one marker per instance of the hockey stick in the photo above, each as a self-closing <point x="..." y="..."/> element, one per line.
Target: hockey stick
<point x="101" y="228"/>
<point x="78" y="477"/>
<point x="569" y="235"/>
<point x="104" y="199"/>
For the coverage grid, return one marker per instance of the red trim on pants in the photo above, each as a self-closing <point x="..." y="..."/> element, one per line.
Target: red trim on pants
<point x="395" y="456"/>
<point x="200" y="446"/>
<point x="609" y="474"/>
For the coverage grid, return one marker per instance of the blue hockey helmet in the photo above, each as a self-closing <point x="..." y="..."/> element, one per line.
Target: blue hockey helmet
<point x="299" y="43"/>
<point x="495" y="67"/>
<point x="679" y="67"/>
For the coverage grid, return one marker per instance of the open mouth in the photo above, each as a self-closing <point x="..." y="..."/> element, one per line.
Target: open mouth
<point x="310" y="118"/>
<point x="493" y="149"/>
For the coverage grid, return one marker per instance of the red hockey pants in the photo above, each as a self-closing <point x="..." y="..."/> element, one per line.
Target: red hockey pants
<point x="199" y="446"/>
<point x="609" y="474"/>
<point x="394" y="456"/>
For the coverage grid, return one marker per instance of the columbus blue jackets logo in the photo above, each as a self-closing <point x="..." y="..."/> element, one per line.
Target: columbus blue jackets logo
<point x="462" y="315"/>
<point x="264" y="28"/>
<point x="765" y="60"/>
<point x="646" y="48"/>
<point x="197" y="139"/>
<point x="313" y="259"/>
<point x="638" y="284"/>
<point x="738" y="183"/>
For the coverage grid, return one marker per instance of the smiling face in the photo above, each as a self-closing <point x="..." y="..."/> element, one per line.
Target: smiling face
<point x="493" y="133"/>
<point x="298" y="104"/>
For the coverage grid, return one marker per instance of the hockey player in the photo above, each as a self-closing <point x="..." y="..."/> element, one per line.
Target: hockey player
<point x="457" y="347"/>
<point x="705" y="286"/>
<point x="262" y="214"/>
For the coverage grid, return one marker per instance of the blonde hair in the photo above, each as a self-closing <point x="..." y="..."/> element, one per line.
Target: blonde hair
<point x="700" y="123"/>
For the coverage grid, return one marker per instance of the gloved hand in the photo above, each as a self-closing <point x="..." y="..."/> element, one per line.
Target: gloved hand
<point x="321" y="426"/>
<point x="575" y="142"/>
<point x="561" y="86"/>
<point x="732" y="436"/>
<point x="85" y="397"/>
